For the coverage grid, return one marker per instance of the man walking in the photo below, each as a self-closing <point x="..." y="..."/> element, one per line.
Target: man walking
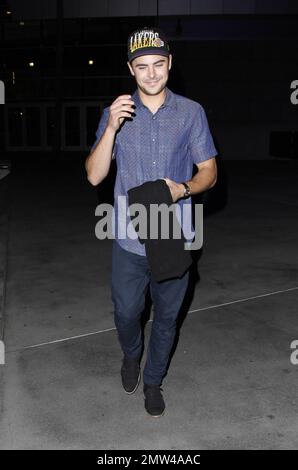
<point x="153" y="134"/>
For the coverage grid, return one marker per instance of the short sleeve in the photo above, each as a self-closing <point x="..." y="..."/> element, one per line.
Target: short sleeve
<point x="101" y="128"/>
<point x="201" y="143"/>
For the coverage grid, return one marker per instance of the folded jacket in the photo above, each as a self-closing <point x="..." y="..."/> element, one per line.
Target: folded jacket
<point x="167" y="258"/>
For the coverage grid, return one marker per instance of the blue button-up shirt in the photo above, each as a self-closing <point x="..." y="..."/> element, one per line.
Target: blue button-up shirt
<point x="152" y="146"/>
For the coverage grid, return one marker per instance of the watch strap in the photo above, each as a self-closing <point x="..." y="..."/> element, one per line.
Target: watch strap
<point x="187" y="189"/>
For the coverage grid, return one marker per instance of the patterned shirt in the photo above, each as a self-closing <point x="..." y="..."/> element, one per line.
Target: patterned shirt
<point x="165" y="144"/>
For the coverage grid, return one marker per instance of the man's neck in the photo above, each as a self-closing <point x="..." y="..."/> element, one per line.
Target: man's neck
<point x="153" y="102"/>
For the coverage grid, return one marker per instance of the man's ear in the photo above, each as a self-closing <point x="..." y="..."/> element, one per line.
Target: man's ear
<point x="131" y="69"/>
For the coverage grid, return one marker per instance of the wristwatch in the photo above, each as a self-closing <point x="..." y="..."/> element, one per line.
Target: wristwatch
<point x="186" y="190"/>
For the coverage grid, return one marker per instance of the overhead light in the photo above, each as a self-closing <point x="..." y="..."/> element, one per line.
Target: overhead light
<point x="90" y="62"/>
<point x="31" y="64"/>
<point x="8" y="12"/>
<point x="21" y="23"/>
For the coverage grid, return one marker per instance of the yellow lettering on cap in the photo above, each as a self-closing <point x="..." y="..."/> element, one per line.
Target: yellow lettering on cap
<point x="131" y="45"/>
<point x="145" y="40"/>
<point x="151" y="36"/>
<point x="140" y="41"/>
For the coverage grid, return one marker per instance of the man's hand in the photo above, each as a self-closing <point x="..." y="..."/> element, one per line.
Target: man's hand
<point x="177" y="189"/>
<point x="121" y="108"/>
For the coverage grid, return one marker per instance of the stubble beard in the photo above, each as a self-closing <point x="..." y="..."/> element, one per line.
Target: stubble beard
<point x="149" y="92"/>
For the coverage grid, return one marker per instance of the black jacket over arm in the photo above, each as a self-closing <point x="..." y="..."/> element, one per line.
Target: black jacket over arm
<point x="167" y="258"/>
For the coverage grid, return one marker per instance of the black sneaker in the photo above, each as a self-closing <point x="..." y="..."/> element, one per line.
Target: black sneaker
<point x="154" y="402"/>
<point x="130" y="374"/>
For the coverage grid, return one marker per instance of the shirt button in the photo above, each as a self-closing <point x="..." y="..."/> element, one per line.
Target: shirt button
<point x="153" y="163"/>
<point x="153" y="140"/>
<point x="154" y="117"/>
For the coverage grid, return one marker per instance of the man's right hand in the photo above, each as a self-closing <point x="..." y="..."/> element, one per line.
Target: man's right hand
<point x="121" y="108"/>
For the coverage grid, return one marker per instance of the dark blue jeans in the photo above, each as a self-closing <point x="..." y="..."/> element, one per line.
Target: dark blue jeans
<point x="130" y="278"/>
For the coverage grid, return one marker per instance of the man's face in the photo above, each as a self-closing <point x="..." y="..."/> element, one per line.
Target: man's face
<point x="151" y="72"/>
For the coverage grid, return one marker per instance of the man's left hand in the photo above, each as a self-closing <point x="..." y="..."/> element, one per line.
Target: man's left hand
<point x="177" y="189"/>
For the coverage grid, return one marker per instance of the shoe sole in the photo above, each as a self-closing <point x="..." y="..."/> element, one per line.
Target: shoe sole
<point x="133" y="391"/>
<point x="156" y="416"/>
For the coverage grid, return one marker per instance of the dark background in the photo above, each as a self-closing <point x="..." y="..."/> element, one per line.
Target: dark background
<point x="238" y="61"/>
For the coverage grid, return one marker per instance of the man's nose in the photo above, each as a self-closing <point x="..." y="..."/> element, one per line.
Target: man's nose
<point x="151" y="72"/>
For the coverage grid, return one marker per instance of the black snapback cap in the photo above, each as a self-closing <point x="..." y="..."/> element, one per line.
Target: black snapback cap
<point x="147" y="41"/>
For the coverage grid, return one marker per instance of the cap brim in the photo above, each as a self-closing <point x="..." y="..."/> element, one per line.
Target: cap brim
<point x="152" y="51"/>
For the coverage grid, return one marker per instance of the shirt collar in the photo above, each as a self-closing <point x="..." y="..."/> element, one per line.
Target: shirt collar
<point x="170" y="100"/>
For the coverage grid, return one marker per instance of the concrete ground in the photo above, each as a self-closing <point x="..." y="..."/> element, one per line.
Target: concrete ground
<point x="231" y="384"/>
<point x="4" y="217"/>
